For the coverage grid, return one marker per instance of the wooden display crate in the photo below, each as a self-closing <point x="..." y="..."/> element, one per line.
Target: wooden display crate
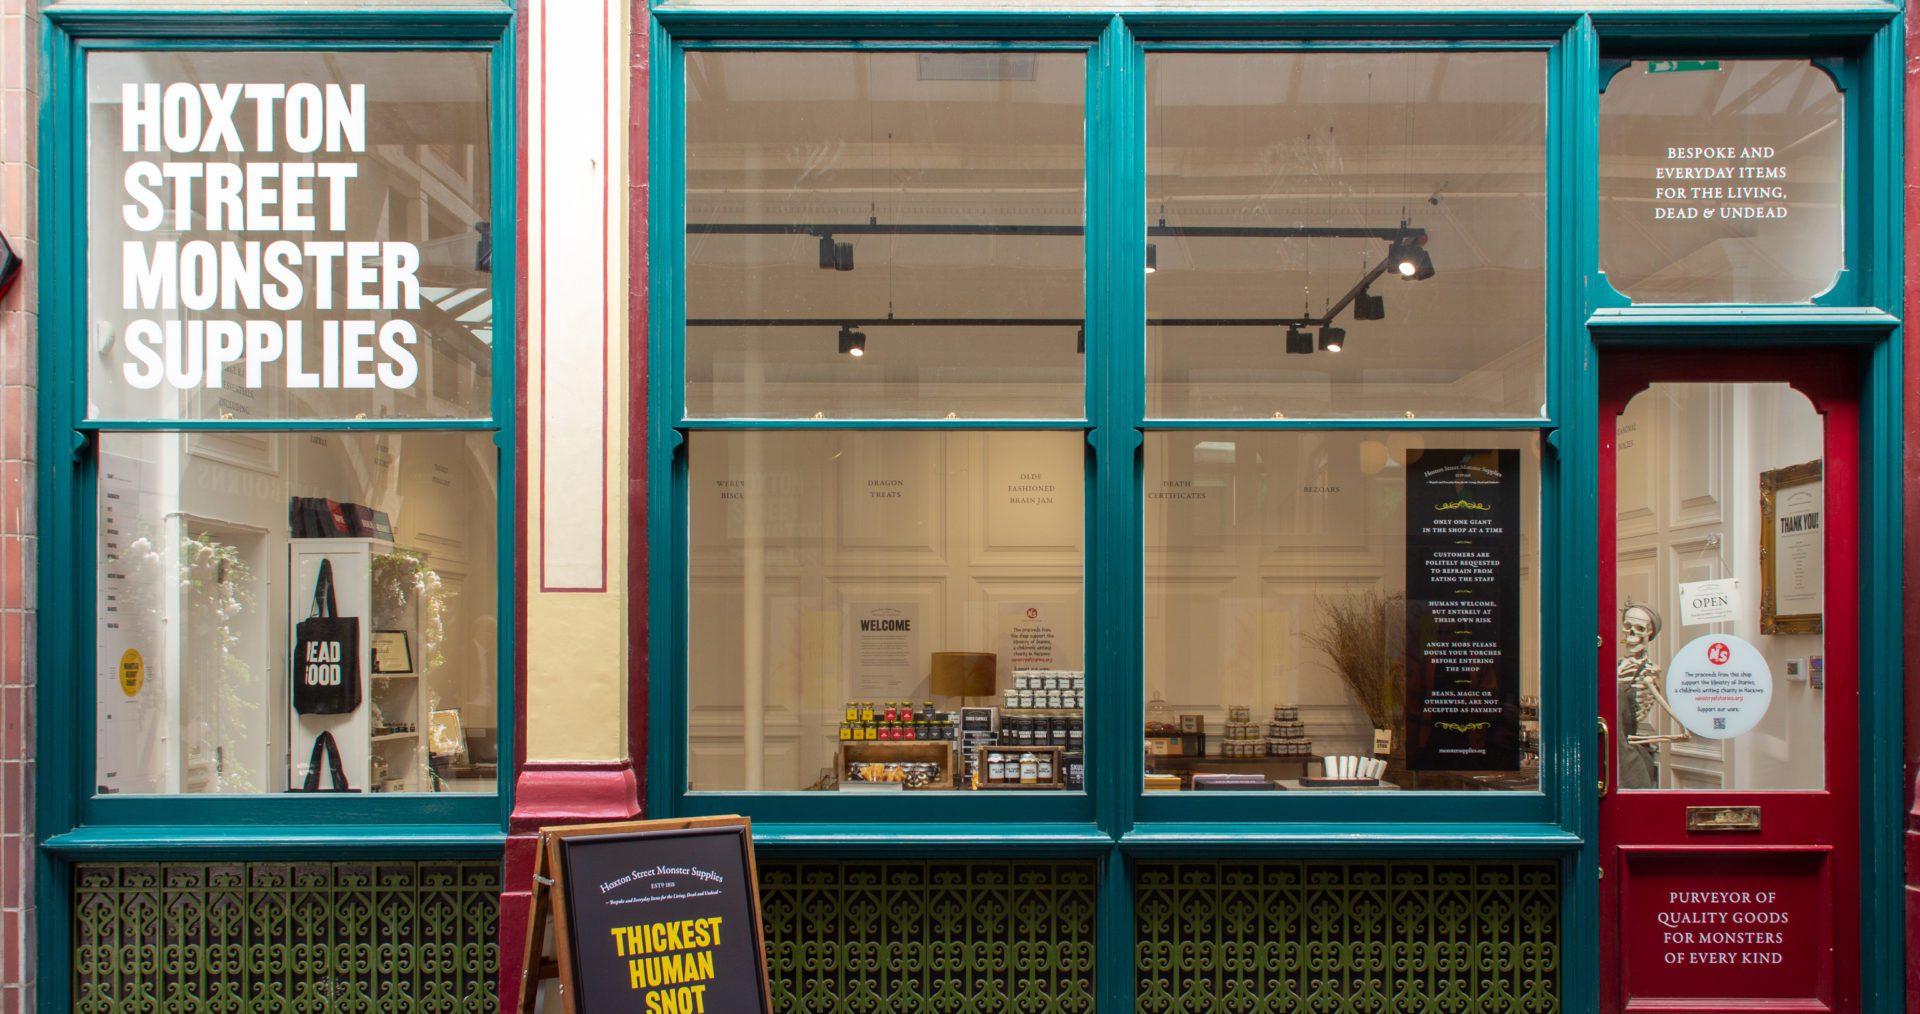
<point x="901" y="751"/>
<point x="1059" y="768"/>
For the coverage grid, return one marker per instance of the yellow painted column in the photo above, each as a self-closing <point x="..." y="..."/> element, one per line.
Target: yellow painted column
<point x="576" y="225"/>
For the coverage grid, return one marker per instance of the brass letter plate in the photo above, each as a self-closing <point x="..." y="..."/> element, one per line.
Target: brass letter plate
<point x="1723" y="818"/>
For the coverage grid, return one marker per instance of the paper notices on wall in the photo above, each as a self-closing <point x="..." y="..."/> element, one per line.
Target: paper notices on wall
<point x="886" y="660"/>
<point x="129" y="722"/>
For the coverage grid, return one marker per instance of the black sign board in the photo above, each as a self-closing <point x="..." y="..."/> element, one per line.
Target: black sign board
<point x="1463" y="610"/>
<point x="650" y="917"/>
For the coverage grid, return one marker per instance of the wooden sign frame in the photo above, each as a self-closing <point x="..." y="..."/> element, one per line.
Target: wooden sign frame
<point x="1773" y="484"/>
<point x="549" y="905"/>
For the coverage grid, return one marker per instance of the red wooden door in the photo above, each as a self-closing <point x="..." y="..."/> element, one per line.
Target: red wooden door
<point x="1716" y="466"/>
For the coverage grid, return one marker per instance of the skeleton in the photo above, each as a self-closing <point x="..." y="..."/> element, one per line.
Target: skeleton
<point x="1639" y="625"/>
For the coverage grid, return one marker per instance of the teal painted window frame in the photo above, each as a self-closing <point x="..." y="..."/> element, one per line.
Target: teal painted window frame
<point x="73" y="825"/>
<point x="72" y="819"/>
<point x="1114" y="805"/>
<point x="1864" y="43"/>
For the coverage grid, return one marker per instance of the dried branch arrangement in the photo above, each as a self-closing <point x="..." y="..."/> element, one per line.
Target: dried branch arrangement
<point x="1362" y="635"/>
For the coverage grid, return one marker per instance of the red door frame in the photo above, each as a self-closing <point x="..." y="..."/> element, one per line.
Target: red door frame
<point x="1794" y="824"/>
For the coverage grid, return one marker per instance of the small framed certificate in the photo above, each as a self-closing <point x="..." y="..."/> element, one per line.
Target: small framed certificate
<point x="392" y="653"/>
<point x="1793" y="553"/>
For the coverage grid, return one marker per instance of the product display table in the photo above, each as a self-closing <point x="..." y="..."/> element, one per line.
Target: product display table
<point x="1273" y="767"/>
<point x="1293" y="785"/>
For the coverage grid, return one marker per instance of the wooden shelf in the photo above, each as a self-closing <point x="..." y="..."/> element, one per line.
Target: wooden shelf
<point x="938" y="752"/>
<point x="1058" y="783"/>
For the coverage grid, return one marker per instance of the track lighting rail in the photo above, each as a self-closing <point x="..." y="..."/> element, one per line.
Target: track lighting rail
<point x="1406" y="256"/>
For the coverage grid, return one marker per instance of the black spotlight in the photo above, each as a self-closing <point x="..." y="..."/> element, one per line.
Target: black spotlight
<point x="1153" y="258"/>
<point x="1299" y="342"/>
<point x="1400" y="257"/>
<point x="1409" y="259"/>
<point x="852" y="343"/>
<point x="1422" y="266"/>
<point x="835" y="256"/>
<point x="1080" y="340"/>
<point x="1332" y="338"/>
<point x="1367" y="306"/>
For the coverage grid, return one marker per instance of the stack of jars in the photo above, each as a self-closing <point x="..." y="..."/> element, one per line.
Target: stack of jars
<point x="895" y="721"/>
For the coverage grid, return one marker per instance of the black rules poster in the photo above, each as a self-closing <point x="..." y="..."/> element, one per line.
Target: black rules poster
<point x="663" y="922"/>
<point x="1463" y="610"/>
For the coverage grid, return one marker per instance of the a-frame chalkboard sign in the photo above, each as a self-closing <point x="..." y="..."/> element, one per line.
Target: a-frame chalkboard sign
<point x="648" y="916"/>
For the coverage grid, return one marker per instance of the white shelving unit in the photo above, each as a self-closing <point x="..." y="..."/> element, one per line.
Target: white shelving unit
<point x="374" y="758"/>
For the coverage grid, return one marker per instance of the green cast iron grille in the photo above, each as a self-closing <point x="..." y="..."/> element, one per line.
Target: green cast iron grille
<point x="1361" y="937"/>
<point x="299" y="938"/>
<point x="946" y="937"/>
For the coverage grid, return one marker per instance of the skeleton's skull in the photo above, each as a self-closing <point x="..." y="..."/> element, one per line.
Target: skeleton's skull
<point x="1638" y="627"/>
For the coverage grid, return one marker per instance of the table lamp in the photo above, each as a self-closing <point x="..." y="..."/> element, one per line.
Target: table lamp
<point x="964" y="674"/>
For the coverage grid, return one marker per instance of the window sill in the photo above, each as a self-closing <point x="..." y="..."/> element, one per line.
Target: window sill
<point x="932" y="839"/>
<point x="1402" y="839"/>
<point x="326" y="842"/>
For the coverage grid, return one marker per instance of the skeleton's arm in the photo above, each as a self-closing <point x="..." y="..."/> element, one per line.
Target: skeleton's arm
<point x="1661" y="699"/>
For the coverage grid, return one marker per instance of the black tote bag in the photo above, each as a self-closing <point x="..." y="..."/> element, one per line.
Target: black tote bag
<point x="326" y="654"/>
<point x="323" y="745"/>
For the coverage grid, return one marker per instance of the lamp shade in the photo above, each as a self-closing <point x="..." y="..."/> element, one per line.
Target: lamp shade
<point x="964" y="673"/>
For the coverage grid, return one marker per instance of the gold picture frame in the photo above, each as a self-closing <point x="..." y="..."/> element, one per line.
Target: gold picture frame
<point x="1795" y="494"/>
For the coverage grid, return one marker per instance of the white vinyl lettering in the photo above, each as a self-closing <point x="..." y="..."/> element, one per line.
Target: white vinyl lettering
<point x="216" y="163"/>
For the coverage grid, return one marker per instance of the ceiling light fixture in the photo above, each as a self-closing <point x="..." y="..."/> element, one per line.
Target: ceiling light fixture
<point x="1409" y="258"/>
<point x="1153" y="258"/>
<point x="1080" y="340"/>
<point x="1299" y="342"/>
<point x="1332" y="338"/>
<point x="852" y="342"/>
<point x="1401" y="257"/>
<point x="1367" y="306"/>
<point x="835" y="256"/>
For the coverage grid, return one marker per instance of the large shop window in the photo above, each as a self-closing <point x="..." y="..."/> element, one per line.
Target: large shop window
<point x="285" y="251"/>
<point x="1344" y="235"/>
<point x="884" y="235"/>
<point x="876" y="237"/>
<point x="1344" y="380"/>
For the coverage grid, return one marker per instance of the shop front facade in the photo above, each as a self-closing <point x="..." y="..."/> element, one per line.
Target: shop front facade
<point x="1181" y="509"/>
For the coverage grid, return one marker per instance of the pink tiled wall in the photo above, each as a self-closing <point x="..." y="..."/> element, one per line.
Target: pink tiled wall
<point x="19" y="194"/>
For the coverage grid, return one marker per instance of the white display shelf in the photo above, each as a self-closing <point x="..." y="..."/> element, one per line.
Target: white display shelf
<point x="403" y="754"/>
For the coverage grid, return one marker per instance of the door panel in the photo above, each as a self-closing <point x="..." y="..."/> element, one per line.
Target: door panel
<point x="1705" y="923"/>
<point x="1730" y="859"/>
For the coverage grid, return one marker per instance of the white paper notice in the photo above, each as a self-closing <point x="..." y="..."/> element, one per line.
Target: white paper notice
<point x="887" y="662"/>
<point x="1709" y="601"/>
<point x="1038" y="634"/>
<point x="130" y="720"/>
<point x="1799" y="548"/>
